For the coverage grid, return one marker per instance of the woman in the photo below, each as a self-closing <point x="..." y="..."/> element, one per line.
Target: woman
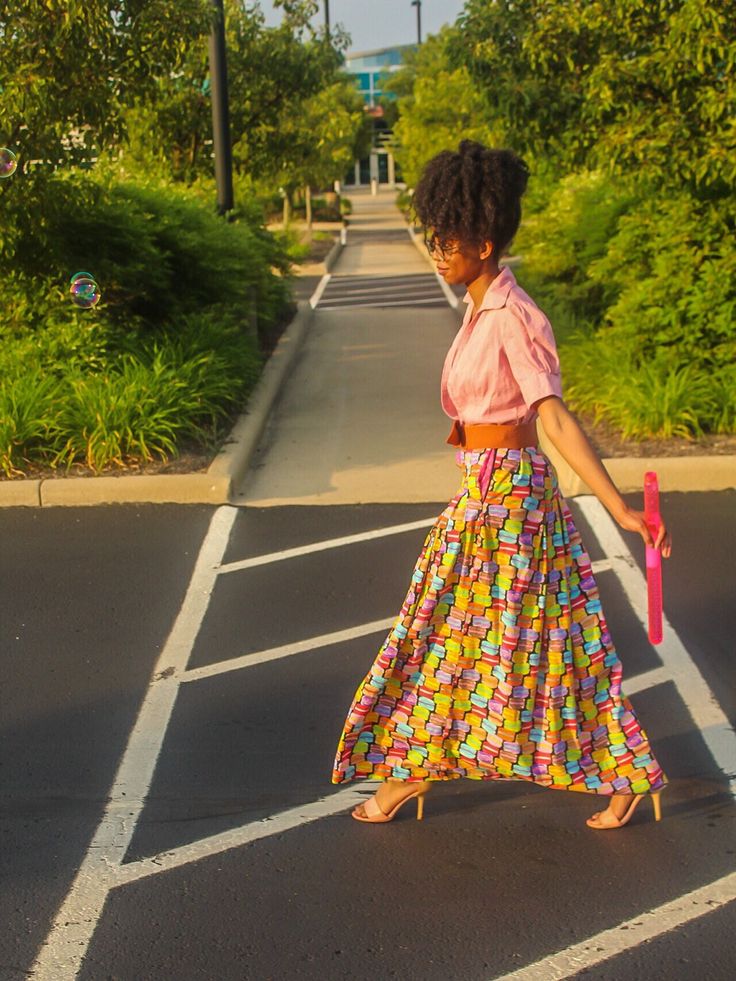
<point x="500" y="664"/>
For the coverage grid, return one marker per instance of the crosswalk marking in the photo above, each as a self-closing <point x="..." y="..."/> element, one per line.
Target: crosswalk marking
<point x="420" y="289"/>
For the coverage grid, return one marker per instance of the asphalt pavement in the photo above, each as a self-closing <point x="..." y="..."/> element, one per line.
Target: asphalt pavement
<point x="176" y="679"/>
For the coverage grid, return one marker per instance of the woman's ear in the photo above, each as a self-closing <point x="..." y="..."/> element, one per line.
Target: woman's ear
<point x="486" y="250"/>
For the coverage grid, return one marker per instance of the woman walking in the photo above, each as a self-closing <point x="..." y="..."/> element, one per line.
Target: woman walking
<point x="500" y="664"/>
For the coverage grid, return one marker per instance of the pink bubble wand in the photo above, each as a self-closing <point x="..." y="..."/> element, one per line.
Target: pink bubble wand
<point x="653" y="557"/>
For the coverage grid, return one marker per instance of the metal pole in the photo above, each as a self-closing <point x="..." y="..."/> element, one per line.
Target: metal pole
<point x="418" y="5"/>
<point x="327" y="17"/>
<point x="220" y="114"/>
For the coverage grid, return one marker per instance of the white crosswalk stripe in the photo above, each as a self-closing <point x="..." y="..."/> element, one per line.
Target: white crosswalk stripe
<point x="419" y="290"/>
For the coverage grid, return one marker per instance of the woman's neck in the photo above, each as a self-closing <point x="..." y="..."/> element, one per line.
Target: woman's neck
<point x="478" y="286"/>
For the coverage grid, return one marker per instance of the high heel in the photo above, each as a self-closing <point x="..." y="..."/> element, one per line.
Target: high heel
<point x="374" y="814"/>
<point x="620" y="822"/>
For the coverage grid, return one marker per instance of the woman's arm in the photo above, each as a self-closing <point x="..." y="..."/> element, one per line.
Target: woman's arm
<point x="565" y="433"/>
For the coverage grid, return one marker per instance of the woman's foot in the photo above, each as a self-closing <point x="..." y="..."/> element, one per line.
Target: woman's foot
<point x="391" y="792"/>
<point x="620" y="809"/>
<point x="618" y="806"/>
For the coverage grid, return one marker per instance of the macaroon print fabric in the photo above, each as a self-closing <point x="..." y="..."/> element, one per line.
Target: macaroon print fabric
<point x="500" y="664"/>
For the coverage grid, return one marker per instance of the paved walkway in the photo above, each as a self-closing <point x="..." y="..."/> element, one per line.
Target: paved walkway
<point x="370" y="373"/>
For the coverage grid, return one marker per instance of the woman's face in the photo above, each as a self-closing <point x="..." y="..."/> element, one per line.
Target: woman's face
<point x="459" y="263"/>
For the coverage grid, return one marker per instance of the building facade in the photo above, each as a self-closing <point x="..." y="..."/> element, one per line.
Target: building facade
<point x="371" y="70"/>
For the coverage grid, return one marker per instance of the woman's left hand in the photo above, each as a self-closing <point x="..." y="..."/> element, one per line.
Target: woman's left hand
<point x="632" y="520"/>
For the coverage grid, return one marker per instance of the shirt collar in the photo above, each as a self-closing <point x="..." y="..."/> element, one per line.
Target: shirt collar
<point x="497" y="293"/>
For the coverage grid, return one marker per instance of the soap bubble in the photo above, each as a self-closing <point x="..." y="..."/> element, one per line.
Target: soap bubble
<point x="84" y="291"/>
<point x="8" y="162"/>
<point x="82" y="275"/>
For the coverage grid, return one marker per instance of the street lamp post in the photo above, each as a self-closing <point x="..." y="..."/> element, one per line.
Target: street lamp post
<point x="327" y="17"/>
<point x="220" y="115"/>
<point x="418" y="5"/>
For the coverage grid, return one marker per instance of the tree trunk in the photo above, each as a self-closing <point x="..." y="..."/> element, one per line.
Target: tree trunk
<point x="287" y="208"/>
<point x="308" y="200"/>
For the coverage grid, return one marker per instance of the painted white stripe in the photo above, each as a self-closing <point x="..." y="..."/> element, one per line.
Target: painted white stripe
<point x="65" y="946"/>
<point x="286" y="650"/>
<point x="339" y="305"/>
<point x="400" y="289"/>
<point x="295" y="817"/>
<point x="600" y="565"/>
<point x="647" y="679"/>
<point x="292" y="553"/>
<point x="371" y="286"/>
<point x="319" y="291"/>
<point x="646" y="926"/>
<point x="369" y="278"/>
<point x="699" y="700"/>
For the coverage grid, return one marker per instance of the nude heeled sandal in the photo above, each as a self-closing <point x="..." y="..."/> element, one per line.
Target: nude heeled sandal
<point x="628" y="812"/>
<point x="374" y="814"/>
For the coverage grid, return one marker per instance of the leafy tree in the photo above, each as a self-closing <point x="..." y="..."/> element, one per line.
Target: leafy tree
<point x="438" y="106"/>
<point x="68" y="68"/>
<point x="639" y="86"/>
<point x="268" y="108"/>
<point x="314" y="146"/>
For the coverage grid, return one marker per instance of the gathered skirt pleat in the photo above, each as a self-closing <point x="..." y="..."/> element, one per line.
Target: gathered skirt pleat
<point x="500" y="664"/>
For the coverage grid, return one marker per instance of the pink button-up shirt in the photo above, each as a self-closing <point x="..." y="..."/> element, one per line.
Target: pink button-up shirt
<point x="503" y="358"/>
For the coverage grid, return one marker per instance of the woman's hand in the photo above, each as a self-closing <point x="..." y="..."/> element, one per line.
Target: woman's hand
<point x="631" y="520"/>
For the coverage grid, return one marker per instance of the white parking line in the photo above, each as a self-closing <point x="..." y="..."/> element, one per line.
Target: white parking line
<point x="61" y="956"/>
<point x="276" y="824"/>
<point x="276" y="653"/>
<point x="645" y="926"/>
<point x="647" y="679"/>
<point x="292" y="553"/>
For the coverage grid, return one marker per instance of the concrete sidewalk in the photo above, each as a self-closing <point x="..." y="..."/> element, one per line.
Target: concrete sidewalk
<point x="360" y="419"/>
<point x="348" y="407"/>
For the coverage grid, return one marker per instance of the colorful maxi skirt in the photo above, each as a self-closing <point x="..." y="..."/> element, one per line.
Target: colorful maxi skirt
<point x="500" y="664"/>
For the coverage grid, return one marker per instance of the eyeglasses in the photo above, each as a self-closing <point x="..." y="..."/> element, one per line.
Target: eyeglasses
<point x="436" y="248"/>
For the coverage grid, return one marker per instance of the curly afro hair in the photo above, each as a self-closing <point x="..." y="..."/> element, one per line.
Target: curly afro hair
<point x="472" y="195"/>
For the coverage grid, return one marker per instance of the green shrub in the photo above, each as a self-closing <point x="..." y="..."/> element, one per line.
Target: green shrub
<point x="560" y="241"/>
<point x="645" y="400"/>
<point x="169" y="350"/>
<point x="672" y="264"/>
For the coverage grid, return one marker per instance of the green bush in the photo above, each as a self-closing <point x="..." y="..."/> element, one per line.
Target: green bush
<point x="672" y="264"/>
<point x="650" y="399"/>
<point x="169" y="350"/>
<point x="559" y="242"/>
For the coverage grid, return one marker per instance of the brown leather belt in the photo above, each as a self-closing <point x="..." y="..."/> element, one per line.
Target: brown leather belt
<point x="478" y="436"/>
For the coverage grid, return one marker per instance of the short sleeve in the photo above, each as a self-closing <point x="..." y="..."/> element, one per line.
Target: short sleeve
<point x="532" y="352"/>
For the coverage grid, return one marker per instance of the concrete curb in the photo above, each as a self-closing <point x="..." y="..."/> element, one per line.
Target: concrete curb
<point x="325" y="266"/>
<point x="675" y="473"/>
<point x="334" y="253"/>
<point x="213" y="487"/>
